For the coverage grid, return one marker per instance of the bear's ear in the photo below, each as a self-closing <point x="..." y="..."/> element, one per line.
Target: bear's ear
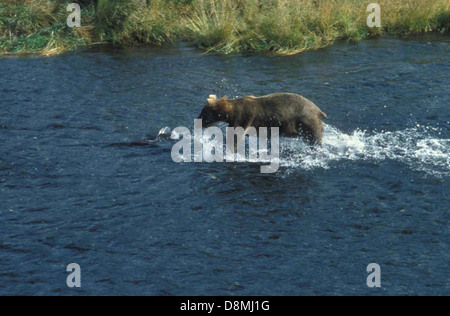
<point x="212" y="100"/>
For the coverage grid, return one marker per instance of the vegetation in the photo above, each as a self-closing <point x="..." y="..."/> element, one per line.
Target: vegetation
<point x="39" y="26"/>
<point x="224" y="26"/>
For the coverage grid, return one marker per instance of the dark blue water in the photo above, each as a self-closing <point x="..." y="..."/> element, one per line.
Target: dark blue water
<point x="73" y="188"/>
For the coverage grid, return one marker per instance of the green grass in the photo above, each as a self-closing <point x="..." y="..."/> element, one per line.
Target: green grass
<point x="225" y="26"/>
<point x="39" y="26"/>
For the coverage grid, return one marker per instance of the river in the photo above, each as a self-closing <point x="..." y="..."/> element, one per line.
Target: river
<point x="74" y="187"/>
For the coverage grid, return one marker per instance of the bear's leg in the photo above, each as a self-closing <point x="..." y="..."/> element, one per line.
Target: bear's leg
<point x="290" y="129"/>
<point x="317" y="131"/>
<point x="245" y="126"/>
<point x="312" y="132"/>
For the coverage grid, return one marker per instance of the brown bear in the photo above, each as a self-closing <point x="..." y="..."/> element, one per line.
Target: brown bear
<point x="292" y="113"/>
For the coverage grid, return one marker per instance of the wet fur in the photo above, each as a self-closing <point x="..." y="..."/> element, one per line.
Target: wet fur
<point x="293" y="114"/>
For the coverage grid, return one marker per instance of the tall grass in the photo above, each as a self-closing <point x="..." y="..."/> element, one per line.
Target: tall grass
<point x="225" y="26"/>
<point x="138" y="22"/>
<point x="293" y="26"/>
<point x="39" y="26"/>
<point x="415" y="16"/>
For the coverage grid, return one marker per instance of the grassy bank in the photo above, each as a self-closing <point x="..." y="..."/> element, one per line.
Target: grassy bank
<point x="39" y="26"/>
<point x="225" y="26"/>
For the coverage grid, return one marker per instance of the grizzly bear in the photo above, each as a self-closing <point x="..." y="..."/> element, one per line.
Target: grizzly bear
<point x="293" y="114"/>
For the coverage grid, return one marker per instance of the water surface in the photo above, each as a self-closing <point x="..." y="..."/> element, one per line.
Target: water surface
<point x="73" y="188"/>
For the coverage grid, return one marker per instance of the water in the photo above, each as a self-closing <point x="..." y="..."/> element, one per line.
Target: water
<point x="75" y="188"/>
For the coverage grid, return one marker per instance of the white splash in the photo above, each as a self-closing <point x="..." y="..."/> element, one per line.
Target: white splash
<point x="413" y="146"/>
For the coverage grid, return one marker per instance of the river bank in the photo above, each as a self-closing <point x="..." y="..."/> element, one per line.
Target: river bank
<point x="283" y="27"/>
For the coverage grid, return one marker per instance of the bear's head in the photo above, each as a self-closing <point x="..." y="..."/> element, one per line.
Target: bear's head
<point x="216" y="110"/>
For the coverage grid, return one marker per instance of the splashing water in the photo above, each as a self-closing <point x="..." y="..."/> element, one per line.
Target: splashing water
<point x="414" y="146"/>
